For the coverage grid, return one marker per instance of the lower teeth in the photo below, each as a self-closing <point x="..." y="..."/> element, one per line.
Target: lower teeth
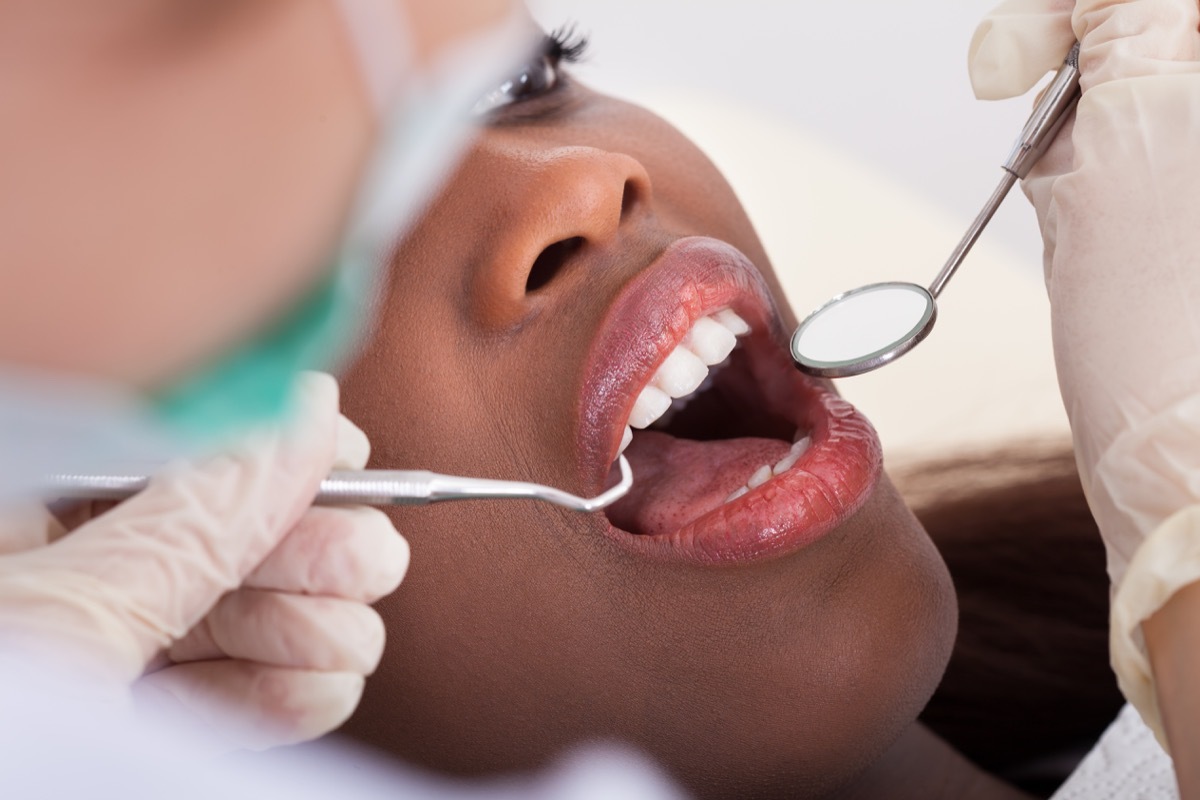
<point x="766" y="472"/>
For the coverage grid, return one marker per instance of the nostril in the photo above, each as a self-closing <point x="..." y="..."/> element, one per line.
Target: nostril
<point x="629" y="198"/>
<point x="550" y="261"/>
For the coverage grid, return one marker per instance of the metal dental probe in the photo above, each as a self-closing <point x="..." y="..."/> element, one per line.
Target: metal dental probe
<point x="371" y="487"/>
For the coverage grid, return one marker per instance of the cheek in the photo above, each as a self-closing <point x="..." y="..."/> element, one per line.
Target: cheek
<point x="518" y="632"/>
<point x="802" y="675"/>
<point x="688" y="186"/>
<point x="691" y="195"/>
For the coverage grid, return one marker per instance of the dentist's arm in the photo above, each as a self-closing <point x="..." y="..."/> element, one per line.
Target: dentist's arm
<point x="1118" y="200"/>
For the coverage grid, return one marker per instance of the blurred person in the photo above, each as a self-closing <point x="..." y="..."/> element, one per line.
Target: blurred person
<point x="763" y="613"/>
<point x="196" y="201"/>
<point x="202" y="196"/>
<point x="1117" y="201"/>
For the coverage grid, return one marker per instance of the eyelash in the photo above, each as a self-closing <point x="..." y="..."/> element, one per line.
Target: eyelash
<point x="561" y="46"/>
<point x="564" y="44"/>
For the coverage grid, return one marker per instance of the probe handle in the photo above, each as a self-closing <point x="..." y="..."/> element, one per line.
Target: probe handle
<point x="372" y="487"/>
<point x="1048" y="116"/>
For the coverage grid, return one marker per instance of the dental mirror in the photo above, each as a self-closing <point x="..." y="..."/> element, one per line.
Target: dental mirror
<point x="865" y="328"/>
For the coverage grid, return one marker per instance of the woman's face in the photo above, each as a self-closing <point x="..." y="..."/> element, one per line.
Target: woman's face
<point x="780" y="640"/>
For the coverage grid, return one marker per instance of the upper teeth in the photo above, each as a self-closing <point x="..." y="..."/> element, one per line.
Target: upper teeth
<point x="709" y="342"/>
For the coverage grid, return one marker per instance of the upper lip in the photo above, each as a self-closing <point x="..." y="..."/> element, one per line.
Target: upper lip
<point x="692" y="277"/>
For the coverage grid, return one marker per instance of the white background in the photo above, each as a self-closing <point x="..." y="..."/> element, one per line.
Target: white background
<point x="886" y="81"/>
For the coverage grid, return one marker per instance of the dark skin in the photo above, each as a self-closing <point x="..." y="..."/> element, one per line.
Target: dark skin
<point x="521" y="629"/>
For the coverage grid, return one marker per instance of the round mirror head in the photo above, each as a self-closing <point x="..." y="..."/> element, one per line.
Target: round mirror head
<point x="863" y="329"/>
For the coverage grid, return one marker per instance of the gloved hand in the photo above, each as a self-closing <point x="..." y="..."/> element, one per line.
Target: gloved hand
<point x="1118" y="200"/>
<point x="249" y="606"/>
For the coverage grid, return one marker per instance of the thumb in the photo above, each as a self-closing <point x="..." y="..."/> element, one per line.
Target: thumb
<point x="148" y="570"/>
<point x="1017" y="44"/>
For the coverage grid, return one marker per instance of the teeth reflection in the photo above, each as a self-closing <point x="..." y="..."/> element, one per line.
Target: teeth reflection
<point x="626" y="438"/>
<point x="736" y="494"/>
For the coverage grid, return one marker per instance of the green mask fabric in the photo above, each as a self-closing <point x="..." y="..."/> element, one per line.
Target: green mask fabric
<point x="423" y="132"/>
<point x="251" y="385"/>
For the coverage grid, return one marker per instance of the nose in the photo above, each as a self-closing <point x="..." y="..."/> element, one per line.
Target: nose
<point x="553" y="208"/>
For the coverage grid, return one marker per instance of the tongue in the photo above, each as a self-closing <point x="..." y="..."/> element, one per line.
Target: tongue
<point x="677" y="480"/>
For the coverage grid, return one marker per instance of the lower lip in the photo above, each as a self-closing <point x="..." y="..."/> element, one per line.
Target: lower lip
<point x="833" y="479"/>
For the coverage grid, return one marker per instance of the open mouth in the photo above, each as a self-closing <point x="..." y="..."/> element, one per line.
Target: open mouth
<point x="735" y="454"/>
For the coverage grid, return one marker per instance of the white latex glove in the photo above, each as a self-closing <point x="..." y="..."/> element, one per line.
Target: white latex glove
<point x="1118" y="200"/>
<point x="264" y="638"/>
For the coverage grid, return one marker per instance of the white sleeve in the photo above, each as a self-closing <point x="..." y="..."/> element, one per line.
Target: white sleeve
<point x="1126" y="764"/>
<point x="59" y="740"/>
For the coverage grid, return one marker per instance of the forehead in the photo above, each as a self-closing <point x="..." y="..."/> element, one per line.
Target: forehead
<point x="583" y="116"/>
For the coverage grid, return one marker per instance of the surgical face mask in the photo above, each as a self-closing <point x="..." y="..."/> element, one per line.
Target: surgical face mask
<point x="424" y="125"/>
<point x="53" y="423"/>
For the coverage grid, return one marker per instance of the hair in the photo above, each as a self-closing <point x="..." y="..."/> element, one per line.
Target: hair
<point x="1029" y="688"/>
